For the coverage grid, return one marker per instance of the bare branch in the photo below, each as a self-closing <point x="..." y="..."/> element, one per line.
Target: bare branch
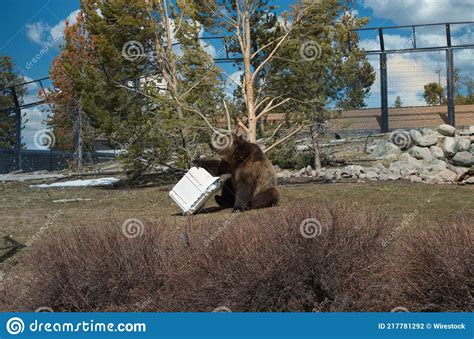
<point x="263" y="47"/>
<point x="229" y="125"/>
<point x="284" y="139"/>
<point x="269" y="108"/>
<point x="242" y="125"/>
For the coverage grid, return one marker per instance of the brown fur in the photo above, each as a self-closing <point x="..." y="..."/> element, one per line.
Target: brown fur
<point x="253" y="179"/>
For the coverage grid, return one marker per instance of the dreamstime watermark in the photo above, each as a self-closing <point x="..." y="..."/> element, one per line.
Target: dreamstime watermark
<point x="310" y="50"/>
<point x="51" y="220"/>
<point x="399" y="309"/>
<point x="138" y="133"/>
<point x="221" y="140"/>
<point x="15" y="326"/>
<point x="222" y="309"/>
<point x="44" y="139"/>
<point x="310" y="228"/>
<point x="321" y="306"/>
<point x="133" y="50"/>
<point x="401" y="138"/>
<point x="44" y="309"/>
<point x="133" y="228"/>
<point x="230" y="220"/>
<point x="407" y="219"/>
<point x="46" y="47"/>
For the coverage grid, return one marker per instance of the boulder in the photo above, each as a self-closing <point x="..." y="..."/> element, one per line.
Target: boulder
<point x="431" y="179"/>
<point x="437" y="152"/>
<point x="427" y="131"/>
<point x="352" y="170"/>
<point x="465" y="159"/>
<point x="427" y="140"/>
<point x="459" y="170"/>
<point x="446" y="130"/>
<point x="385" y="148"/>
<point x="284" y="174"/>
<point x="463" y="145"/>
<point x="415" y="178"/>
<point x="471" y="150"/>
<point x="420" y="153"/>
<point x="372" y="175"/>
<point x="407" y="159"/>
<point x="435" y="165"/>
<point x="469" y="180"/>
<point x="407" y="171"/>
<point x="447" y="175"/>
<point x="329" y="175"/>
<point x="391" y="158"/>
<point x="415" y="135"/>
<point x="449" y="146"/>
<point x="338" y="174"/>
<point x="378" y="168"/>
<point x="301" y="172"/>
<point x="309" y="170"/>
<point x="393" y="176"/>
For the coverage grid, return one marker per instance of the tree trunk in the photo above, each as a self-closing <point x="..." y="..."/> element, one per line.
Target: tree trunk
<point x="249" y="89"/>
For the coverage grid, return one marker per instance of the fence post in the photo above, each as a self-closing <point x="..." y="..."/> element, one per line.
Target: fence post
<point x="450" y="78"/>
<point x="17" y="129"/>
<point x="383" y="84"/>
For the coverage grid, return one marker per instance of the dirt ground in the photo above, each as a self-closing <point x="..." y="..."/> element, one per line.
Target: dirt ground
<point x="26" y="212"/>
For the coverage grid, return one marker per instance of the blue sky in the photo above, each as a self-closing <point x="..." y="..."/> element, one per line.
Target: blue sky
<point x="31" y="33"/>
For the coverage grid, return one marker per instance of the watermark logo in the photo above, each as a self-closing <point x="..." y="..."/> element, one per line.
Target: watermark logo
<point x="310" y="50"/>
<point x="44" y="139"/>
<point x="401" y="138"/>
<point x="221" y="140"/>
<point x="133" y="228"/>
<point x="222" y="309"/>
<point x="310" y="228"/>
<point x="15" y="326"/>
<point x="399" y="309"/>
<point x="133" y="50"/>
<point x="44" y="309"/>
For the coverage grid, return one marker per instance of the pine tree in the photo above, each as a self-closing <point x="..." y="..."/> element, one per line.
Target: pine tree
<point x="8" y="78"/>
<point x="398" y="102"/>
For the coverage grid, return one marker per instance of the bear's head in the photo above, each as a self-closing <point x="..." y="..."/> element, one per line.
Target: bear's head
<point x="230" y="146"/>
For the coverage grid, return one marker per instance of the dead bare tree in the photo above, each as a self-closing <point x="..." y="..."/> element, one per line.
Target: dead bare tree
<point x="239" y="22"/>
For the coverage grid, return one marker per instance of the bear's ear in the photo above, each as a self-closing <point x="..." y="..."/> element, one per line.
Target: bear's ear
<point x="243" y="137"/>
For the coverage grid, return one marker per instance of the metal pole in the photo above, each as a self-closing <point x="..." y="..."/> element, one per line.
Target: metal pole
<point x="383" y="85"/>
<point x="450" y="77"/>
<point x="450" y="80"/>
<point x="384" y="93"/>
<point x="17" y="129"/>
<point x="79" y="142"/>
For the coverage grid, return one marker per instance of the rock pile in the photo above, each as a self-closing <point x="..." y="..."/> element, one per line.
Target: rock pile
<point x="430" y="156"/>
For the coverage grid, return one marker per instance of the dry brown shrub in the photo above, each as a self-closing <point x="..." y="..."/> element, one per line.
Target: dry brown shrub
<point x="255" y="261"/>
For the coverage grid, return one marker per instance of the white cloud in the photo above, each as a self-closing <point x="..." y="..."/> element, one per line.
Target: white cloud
<point x="41" y="33"/>
<point x="36" y="32"/>
<point x="422" y="11"/>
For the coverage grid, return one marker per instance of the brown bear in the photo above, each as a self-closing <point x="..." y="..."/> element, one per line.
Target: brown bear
<point x="253" y="180"/>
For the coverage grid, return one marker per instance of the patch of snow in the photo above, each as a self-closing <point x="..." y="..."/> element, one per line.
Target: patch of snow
<point x="80" y="183"/>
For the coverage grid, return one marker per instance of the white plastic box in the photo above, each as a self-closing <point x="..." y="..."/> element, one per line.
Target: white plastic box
<point x="194" y="189"/>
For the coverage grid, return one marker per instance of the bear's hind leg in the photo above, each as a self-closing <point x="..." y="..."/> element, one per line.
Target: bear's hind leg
<point x="267" y="198"/>
<point x="243" y="195"/>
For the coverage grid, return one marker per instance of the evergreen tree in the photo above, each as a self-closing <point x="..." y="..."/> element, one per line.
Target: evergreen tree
<point x="434" y="94"/>
<point x="398" y="102"/>
<point x="8" y="78"/>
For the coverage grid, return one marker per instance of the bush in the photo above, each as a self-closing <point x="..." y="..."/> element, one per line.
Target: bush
<point x="256" y="261"/>
<point x="434" y="269"/>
